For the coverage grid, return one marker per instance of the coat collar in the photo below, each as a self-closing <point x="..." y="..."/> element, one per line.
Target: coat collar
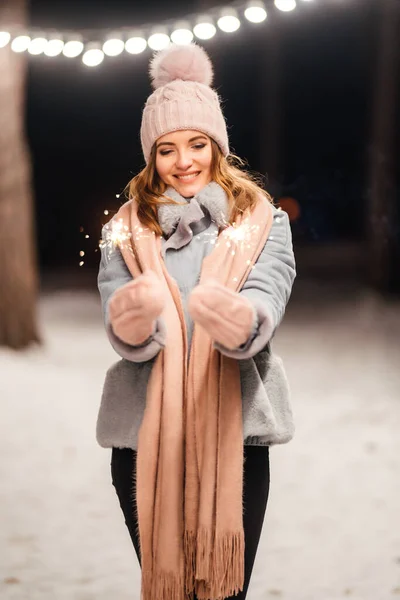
<point x="212" y="198"/>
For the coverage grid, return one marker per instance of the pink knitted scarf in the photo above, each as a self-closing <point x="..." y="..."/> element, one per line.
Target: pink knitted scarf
<point x="190" y="450"/>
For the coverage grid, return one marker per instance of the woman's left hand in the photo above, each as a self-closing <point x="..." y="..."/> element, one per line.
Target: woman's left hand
<point x="227" y="316"/>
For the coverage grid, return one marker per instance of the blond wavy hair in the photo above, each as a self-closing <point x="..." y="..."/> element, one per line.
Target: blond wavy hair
<point x="242" y="188"/>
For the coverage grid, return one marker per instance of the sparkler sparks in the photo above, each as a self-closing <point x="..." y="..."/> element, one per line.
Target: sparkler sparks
<point x="239" y="237"/>
<point x="115" y="233"/>
<point x="236" y="237"/>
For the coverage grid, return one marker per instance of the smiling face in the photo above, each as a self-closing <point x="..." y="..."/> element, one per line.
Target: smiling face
<point x="183" y="161"/>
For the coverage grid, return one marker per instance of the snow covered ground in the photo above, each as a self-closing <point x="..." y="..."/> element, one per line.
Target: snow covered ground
<point x="333" y="524"/>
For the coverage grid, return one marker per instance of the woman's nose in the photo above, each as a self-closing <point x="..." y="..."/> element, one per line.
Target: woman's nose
<point x="184" y="161"/>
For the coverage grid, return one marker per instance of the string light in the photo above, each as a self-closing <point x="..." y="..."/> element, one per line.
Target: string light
<point x="159" y="39"/>
<point x="5" y="37"/>
<point x="135" y="44"/>
<point x="37" y="46"/>
<point x="255" y="12"/>
<point x="73" y="48"/>
<point x="136" y="41"/>
<point x="182" y="34"/>
<point x="20" y="43"/>
<point x="285" y="5"/>
<point x="54" y="47"/>
<point x="114" y="46"/>
<point x="93" y="55"/>
<point x="204" y="28"/>
<point x="228" y="21"/>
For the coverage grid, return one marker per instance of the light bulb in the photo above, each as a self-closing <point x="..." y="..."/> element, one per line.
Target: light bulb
<point x="93" y="55"/>
<point x="20" y="43"/>
<point x="5" y="37"/>
<point x="228" y="21"/>
<point x="54" y="47"/>
<point x="204" y="28"/>
<point x="135" y="45"/>
<point x="285" y="5"/>
<point x="255" y="12"/>
<point x="113" y="47"/>
<point x="182" y="34"/>
<point x="37" y="46"/>
<point x="158" y="41"/>
<point x="73" y="48"/>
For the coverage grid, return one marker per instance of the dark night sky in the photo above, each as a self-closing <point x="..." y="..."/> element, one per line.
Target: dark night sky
<point x="83" y="124"/>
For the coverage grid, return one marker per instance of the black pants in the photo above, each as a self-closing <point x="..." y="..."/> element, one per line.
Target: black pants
<point x="255" y="496"/>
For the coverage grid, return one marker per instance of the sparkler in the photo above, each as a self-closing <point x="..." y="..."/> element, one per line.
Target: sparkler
<point x="237" y="237"/>
<point x="115" y="233"/>
<point x="240" y="237"/>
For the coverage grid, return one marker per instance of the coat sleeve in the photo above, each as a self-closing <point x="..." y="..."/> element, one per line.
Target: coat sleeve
<point x="268" y="287"/>
<point x="113" y="273"/>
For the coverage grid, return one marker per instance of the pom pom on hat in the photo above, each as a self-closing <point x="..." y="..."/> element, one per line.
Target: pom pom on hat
<point x="189" y="63"/>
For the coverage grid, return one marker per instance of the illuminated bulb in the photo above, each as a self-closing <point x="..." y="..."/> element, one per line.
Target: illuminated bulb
<point x="20" y="43"/>
<point x="228" y="21"/>
<point x="86" y="236"/>
<point x="93" y="55"/>
<point x="81" y="263"/>
<point x="81" y="253"/>
<point x="5" y="37"/>
<point x="182" y="34"/>
<point x="113" y="47"/>
<point x="73" y="48"/>
<point x="182" y="37"/>
<point x="54" y="47"/>
<point x="135" y="45"/>
<point x="106" y="212"/>
<point x="37" y="46"/>
<point x="285" y="5"/>
<point x="158" y="41"/>
<point x="255" y="12"/>
<point x="204" y="28"/>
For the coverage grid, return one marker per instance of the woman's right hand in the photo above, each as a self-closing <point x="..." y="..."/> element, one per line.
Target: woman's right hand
<point x="134" y="307"/>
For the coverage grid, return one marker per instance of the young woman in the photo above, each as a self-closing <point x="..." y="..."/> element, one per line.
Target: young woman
<point x="193" y="289"/>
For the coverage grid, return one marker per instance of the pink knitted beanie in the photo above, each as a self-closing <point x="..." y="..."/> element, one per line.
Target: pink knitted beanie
<point x="183" y="98"/>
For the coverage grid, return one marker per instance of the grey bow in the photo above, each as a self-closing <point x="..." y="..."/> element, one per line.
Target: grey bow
<point x="212" y="197"/>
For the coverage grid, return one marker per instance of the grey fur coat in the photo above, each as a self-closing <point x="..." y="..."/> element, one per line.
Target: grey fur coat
<point x="189" y="234"/>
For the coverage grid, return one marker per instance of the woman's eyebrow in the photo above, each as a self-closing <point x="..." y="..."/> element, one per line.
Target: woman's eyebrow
<point x="198" y="137"/>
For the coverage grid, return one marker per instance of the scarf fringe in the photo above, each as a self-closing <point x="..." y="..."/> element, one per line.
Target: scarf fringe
<point x="189" y="546"/>
<point x="162" y="586"/>
<point x="216" y="572"/>
<point x="203" y="555"/>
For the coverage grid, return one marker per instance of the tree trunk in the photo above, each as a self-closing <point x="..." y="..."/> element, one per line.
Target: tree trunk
<point x="18" y="265"/>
